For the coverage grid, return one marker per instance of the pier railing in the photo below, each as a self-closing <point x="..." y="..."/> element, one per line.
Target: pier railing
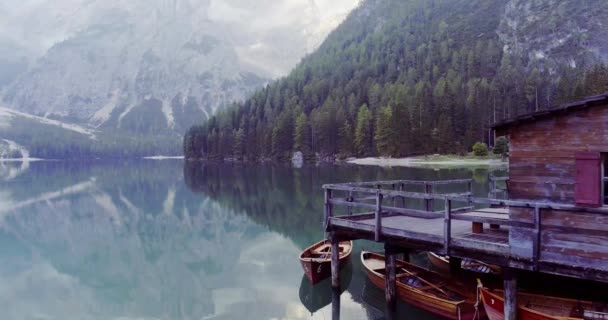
<point x="380" y="199"/>
<point x="374" y="195"/>
<point x="498" y="187"/>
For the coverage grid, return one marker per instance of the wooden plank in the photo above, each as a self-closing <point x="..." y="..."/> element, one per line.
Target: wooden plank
<point x="521" y="243"/>
<point x="504" y="211"/>
<point x="369" y="229"/>
<point x="386" y="209"/>
<point x="574" y="261"/>
<point x="496" y="219"/>
<point x="482" y="246"/>
<point x="391" y="193"/>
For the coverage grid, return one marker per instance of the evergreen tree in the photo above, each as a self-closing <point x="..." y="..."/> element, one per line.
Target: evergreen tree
<point x="386" y="138"/>
<point x="438" y="64"/>
<point x="302" y="135"/>
<point x="363" y="132"/>
<point x="346" y="139"/>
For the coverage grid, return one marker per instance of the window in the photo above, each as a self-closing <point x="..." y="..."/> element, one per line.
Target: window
<point x="589" y="188"/>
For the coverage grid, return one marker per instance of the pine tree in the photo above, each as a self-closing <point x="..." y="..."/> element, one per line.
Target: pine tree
<point x="346" y="139"/>
<point x="363" y="132"/>
<point x="239" y="144"/>
<point x="302" y="136"/>
<point x="385" y="137"/>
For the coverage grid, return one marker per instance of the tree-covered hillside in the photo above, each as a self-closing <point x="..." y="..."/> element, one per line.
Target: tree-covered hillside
<point x="402" y="77"/>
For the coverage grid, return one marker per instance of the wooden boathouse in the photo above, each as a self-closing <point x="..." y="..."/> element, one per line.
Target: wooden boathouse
<point x="555" y="219"/>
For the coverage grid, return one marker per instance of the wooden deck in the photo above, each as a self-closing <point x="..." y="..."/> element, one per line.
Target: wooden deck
<point x="483" y="229"/>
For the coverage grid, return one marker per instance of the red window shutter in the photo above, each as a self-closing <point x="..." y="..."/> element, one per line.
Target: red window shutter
<point x="588" y="179"/>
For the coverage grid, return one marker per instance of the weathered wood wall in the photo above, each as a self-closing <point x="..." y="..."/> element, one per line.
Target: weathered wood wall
<point x="542" y="152"/>
<point x="542" y="167"/>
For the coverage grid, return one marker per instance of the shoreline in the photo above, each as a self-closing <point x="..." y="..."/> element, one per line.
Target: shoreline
<point x="163" y="158"/>
<point x="421" y="161"/>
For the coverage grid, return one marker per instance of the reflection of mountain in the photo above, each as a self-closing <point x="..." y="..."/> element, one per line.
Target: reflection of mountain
<point x="94" y="247"/>
<point x="132" y="240"/>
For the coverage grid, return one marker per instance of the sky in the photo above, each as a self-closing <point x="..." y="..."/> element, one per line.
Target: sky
<point x="36" y="25"/>
<point x="269" y="36"/>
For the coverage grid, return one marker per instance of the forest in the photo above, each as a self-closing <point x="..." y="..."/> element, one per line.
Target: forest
<point x="397" y="78"/>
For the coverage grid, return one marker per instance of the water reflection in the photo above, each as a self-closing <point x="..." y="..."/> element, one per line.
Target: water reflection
<point x="168" y="240"/>
<point x="320" y="295"/>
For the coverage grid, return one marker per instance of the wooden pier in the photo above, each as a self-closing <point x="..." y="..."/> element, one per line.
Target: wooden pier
<point x="516" y="235"/>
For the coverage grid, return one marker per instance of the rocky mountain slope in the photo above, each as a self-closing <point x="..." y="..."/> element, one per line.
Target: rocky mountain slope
<point x="402" y="77"/>
<point x="149" y="67"/>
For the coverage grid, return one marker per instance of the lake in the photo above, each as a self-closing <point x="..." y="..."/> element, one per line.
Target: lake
<point x="178" y="240"/>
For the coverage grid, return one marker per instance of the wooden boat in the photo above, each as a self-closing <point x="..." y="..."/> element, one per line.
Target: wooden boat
<point x="316" y="259"/>
<point x="442" y="263"/>
<point x="423" y="288"/>
<point x="542" y="307"/>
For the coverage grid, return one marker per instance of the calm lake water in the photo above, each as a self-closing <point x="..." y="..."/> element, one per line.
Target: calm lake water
<point x="174" y="240"/>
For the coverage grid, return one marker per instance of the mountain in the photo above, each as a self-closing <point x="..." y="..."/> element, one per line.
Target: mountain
<point x="402" y="77"/>
<point x="149" y="67"/>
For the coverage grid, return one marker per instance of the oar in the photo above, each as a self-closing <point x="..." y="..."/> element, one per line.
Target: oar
<point x="429" y="283"/>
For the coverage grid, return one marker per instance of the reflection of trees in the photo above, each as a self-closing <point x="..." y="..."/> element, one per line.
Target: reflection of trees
<point x="280" y="198"/>
<point x="289" y="200"/>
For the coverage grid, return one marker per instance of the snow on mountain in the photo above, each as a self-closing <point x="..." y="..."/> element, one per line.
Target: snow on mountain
<point x="6" y="115"/>
<point x="157" y="65"/>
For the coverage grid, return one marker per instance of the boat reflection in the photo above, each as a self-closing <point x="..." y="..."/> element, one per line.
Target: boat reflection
<point x="316" y="297"/>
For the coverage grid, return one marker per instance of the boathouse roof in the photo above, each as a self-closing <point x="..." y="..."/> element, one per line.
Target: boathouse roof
<point x="597" y="100"/>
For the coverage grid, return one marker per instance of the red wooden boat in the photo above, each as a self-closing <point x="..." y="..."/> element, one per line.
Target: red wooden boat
<point x="316" y="259"/>
<point x="424" y="288"/>
<point x="542" y="307"/>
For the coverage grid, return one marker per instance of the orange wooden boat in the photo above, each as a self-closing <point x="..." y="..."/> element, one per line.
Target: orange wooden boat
<point x="442" y="263"/>
<point x="423" y="288"/>
<point x="542" y="307"/>
<point x="316" y="259"/>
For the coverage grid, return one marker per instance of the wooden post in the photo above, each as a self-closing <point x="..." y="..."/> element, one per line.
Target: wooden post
<point x="394" y="198"/>
<point x="470" y="191"/>
<point x="537" y="236"/>
<point x="477" y="227"/>
<point x="335" y="304"/>
<point x="510" y="286"/>
<point x="390" y="262"/>
<point x="335" y="267"/>
<point x="402" y="188"/>
<point x="428" y="203"/>
<point x="350" y="199"/>
<point x="328" y="209"/>
<point x="455" y="265"/>
<point x="378" y="217"/>
<point x="406" y="254"/>
<point x="447" y="226"/>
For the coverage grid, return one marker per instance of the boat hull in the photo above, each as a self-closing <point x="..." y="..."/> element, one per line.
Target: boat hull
<point x="564" y="309"/>
<point x="431" y="303"/>
<point x="442" y="264"/>
<point x="318" y="269"/>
